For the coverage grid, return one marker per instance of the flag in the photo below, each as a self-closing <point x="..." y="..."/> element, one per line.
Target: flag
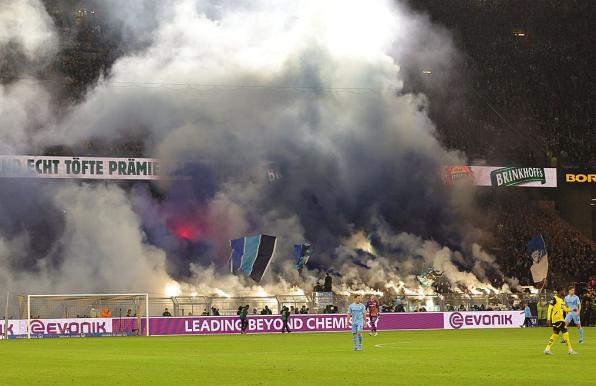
<point x="301" y="255"/>
<point x="251" y="255"/>
<point x="428" y="277"/>
<point x="538" y="254"/>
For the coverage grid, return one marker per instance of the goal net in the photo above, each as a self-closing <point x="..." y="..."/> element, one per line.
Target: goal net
<point x="85" y="315"/>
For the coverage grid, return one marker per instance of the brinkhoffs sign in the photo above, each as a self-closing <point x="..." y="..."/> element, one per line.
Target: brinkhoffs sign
<point x="500" y="177"/>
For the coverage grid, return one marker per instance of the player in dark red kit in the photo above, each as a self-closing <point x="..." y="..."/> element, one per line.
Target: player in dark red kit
<point x="373" y="309"/>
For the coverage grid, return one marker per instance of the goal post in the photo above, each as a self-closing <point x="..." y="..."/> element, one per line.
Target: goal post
<point x="87" y="314"/>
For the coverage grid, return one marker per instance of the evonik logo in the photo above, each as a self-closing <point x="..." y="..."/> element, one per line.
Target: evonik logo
<point x="458" y="320"/>
<point x="40" y="327"/>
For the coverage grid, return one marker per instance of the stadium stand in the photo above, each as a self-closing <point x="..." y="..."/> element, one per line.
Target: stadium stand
<point x="571" y="255"/>
<point x="527" y="64"/>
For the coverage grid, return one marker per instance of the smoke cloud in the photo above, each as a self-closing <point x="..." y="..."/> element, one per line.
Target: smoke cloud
<point x="309" y="92"/>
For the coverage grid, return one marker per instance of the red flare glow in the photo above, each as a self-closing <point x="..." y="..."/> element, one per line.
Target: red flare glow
<point x="186" y="229"/>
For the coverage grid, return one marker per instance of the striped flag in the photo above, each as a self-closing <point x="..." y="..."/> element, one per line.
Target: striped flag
<point x="539" y="255"/>
<point x="301" y="255"/>
<point x="251" y="255"/>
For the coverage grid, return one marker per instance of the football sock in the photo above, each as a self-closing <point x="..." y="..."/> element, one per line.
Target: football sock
<point x="566" y="337"/>
<point x="552" y="339"/>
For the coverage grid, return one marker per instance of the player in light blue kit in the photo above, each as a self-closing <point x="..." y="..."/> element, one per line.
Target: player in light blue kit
<point x="356" y="312"/>
<point x="574" y="303"/>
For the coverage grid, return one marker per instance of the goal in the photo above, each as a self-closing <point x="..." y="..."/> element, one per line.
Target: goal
<point x="86" y="314"/>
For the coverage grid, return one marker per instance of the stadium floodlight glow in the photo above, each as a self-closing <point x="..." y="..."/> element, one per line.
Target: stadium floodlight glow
<point x="261" y="293"/>
<point x="357" y="28"/>
<point x="221" y="293"/>
<point x="77" y="302"/>
<point x="172" y="290"/>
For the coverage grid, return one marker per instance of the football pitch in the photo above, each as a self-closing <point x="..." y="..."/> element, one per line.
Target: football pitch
<point x="456" y="357"/>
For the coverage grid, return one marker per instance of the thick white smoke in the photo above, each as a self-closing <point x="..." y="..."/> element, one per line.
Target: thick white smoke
<point x="314" y="85"/>
<point x="25" y="26"/>
<point x="27" y="42"/>
<point x="101" y="250"/>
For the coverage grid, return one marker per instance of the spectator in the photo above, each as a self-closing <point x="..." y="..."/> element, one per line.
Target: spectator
<point x="527" y="316"/>
<point x="328" y="286"/>
<point x="285" y="317"/>
<point x="244" y="318"/>
<point x="265" y="311"/>
<point x="586" y="310"/>
<point x="166" y="312"/>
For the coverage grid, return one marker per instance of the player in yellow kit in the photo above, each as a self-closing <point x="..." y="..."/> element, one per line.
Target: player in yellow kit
<point x="555" y="316"/>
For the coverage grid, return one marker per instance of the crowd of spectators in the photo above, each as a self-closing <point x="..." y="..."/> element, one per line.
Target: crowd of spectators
<point x="299" y="310"/>
<point x="214" y="311"/>
<point x="571" y="255"/>
<point x="528" y="72"/>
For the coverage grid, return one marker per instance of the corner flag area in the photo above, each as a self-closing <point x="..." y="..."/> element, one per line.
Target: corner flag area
<point x="462" y="357"/>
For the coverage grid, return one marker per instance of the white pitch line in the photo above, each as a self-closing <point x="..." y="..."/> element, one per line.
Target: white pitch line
<point x="381" y="345"/>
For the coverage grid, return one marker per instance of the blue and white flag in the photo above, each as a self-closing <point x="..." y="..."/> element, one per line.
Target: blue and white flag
<point x="251" y="255"/>
<point x="539" y="255"/>
<point x="428" y="277"/>
<point x="301" y="255"/>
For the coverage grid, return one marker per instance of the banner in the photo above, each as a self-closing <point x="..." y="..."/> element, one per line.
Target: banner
<point x="498" y="176"/>
<point x="15" y="328"/>
<point x="212" y="325"/>
<point x="97" y="168"/>
<point x="70" y="327"/>
<point x="483" y="319"/>
<point x="298" y="323"/>
<point x="43" y="328"/>
<point x="537" y="252"/>
<point x="577" y="177"/>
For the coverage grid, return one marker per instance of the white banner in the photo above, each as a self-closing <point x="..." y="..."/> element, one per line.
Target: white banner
<point x="57" y="327"/>
<point x="15" y="327"/>
<point x="83" y="326"/>
<point x="98" y="168"/>
<point x="483" y="319"/>
<point x="498" y="176"/>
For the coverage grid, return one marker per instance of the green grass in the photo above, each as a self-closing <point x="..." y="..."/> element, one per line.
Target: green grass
<point x="464" y="357"/>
